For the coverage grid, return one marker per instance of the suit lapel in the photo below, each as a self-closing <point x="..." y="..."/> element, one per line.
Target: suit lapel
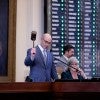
<point x="64" y="59"/>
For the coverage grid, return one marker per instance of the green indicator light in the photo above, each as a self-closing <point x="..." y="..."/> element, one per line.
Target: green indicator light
<point x="78" y="41"/>
<point x="78" y="45"/>
<point x="78" y="57"/>
<point x="62" y="33"/>
<point x="93" y="42"/>
<point x="62" y="21"/>
<point x="62" y="29"/>
<point x="93" y="50"/>
<point x="93" y="69"/>
<point x="93" y="22"/>
<point x="78" y="14"/>
<point x="62" y="17"/>
<point x="62" y="37"/>
<point x="93" y="46"/>
<point x="78" y="49"/>
<point x="78" y="2"/>
<point x="93" y="54"/>
<point x="62" y="53"/>
<point x="94" y="11"/>
<point x="62" y="0"/>
<point x="78" y="18"/>
<point x="93" y="58"/>
<point x="62" y="25"/>
<point x="78" y="25"/>
<point x="93" y="34"/>
<point x="93" y="26"/>
<point x="78" y="22"/>
<point x="94" y="3"/>
<point x="62" y="49"/>
<point x="62" y="4"/>
<point x="93" y="73"/>
<point x="62" y="8"/>
<point x="93" y="61"/>
<point x="94" y="7"/>
<point x="78" y="38"/>
<point x="78" y="6"/>
<point x="93" y="65"/>
<point x="93" y="15"/>
<point x="93" y="18"/>
<point x="93" y="30"/>
<point x="78" y="53"/>
<point x="78" y="33"/>
<point x="78" y="29"/>
<point x="62" y="45"/>
<point x="62" y="41"/>
<point x="78" y="10"/>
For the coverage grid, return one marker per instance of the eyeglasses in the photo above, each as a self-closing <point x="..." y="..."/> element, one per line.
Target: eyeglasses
<point x="47" y="41"/>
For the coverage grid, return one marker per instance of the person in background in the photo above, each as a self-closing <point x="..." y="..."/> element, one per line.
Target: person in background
<point x="74" y="71"/>
<point x="40" y="60"/>
<point x="61" y="66"/>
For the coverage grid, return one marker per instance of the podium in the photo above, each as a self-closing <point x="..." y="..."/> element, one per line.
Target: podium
<point x="50" y="91"/>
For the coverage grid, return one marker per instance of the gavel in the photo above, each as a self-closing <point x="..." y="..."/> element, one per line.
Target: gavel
<point x="33" y="36"/>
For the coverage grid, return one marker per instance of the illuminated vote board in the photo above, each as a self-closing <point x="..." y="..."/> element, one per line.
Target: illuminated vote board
<point x="77" y="22"/>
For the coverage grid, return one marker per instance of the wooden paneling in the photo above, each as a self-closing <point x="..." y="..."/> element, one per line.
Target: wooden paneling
<point x="50" y="91"/>
<point x="24" y="87"/>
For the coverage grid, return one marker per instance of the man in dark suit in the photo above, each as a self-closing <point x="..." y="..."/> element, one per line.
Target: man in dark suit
<point x="42" y="67"/>
<point x="61" y="66"/>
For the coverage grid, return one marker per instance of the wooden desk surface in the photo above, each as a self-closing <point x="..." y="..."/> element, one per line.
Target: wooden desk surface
<point x="18" y="87"/>
<point x="76" y="87"/>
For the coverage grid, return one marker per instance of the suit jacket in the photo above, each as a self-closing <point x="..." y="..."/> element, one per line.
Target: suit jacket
<point x="61" y="64"/>
<point x="39" y="71"/>
<point x="68" y="76"/>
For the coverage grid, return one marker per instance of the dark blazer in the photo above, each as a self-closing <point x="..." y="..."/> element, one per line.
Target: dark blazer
<point x="39" y="71"/>
<point x="68" y="76"/>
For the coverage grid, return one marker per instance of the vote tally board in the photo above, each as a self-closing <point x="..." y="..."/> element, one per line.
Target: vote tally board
<point x="76" y="22"/>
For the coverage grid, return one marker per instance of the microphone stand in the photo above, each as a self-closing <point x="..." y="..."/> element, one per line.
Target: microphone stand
<point x="67" y="65"/>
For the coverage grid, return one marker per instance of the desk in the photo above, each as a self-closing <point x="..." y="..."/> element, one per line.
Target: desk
<point x="50" y="91"/>
<point x="76" y="90"/>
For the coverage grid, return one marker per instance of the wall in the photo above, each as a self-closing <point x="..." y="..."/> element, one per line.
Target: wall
<point x="30" y="14"/>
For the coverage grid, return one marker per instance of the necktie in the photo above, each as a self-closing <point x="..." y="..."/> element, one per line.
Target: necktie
<point x="45" y="55"/>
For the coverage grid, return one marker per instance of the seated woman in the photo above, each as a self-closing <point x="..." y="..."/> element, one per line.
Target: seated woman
<point x="73" y="72"/>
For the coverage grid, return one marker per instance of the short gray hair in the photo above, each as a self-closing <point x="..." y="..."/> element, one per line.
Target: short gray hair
<point x="72" y="59"/>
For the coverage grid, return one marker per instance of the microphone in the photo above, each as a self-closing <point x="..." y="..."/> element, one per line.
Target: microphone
<point x="67" y="65"/>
